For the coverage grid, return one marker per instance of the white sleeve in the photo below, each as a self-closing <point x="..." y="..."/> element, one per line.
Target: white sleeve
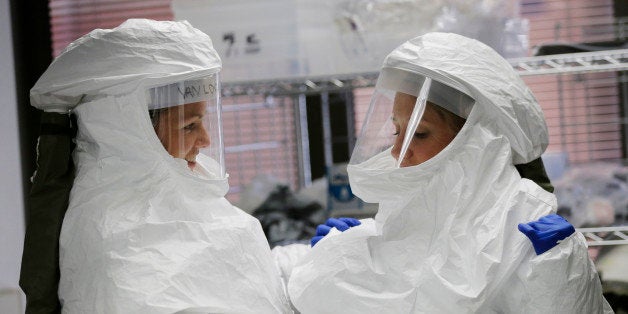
<point x="287" y="256"/>
<point x="561" y="280"/>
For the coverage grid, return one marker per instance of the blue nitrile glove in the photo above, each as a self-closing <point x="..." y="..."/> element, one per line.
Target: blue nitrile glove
<point x="546" y="232"/>
<point x="342" y="224"/>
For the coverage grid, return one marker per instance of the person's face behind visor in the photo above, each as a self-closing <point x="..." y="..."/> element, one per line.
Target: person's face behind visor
<point x="183" y="131"/>
<point x="411" y="118"/>
<point x="438" y="127"/>
<point x="186" y="118"/>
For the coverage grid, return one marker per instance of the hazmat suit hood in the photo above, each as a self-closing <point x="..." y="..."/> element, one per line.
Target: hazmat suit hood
<point x="143" y="232"/>
<point x="116" y="62"/>
<point x="445" y="237"/>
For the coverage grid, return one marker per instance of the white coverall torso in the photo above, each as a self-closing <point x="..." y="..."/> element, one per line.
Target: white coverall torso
<point x="143" y="234"/>
<point x="445" y="238"/>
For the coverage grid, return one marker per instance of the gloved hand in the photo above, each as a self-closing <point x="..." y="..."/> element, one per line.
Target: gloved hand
<point x="547" y="232"/>
<point x="342" y="224"/>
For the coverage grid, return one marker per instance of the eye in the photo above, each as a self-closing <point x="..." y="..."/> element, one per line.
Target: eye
<point x="396" y="131"/>
<point x="421" y="135"/>
<point x="190" y="127"/>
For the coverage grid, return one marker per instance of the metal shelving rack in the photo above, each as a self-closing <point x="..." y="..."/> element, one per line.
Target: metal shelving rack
<point x="297" y="86"/>
<point x="298" y="89"/>
<point x="577" y="63"/>
<point x="573" y="63"/>
<point x="606" y="235"/>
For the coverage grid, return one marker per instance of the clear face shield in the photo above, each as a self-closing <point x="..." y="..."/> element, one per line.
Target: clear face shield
<point x="187" y="119"/>
<point x="411" y="118"/>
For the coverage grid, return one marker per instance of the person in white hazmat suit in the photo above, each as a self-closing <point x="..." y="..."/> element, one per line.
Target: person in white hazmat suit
<point x="448" y="121"/>
<point x="148" y="229"/>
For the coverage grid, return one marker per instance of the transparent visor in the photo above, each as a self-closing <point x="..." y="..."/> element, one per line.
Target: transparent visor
<point x="186" y="117"/>
<point x="412" y="116"/>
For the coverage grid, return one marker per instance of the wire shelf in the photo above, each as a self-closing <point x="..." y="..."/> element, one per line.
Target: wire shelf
<point x="294" y="86"/>
<point x="573" y="63"/>
<point x="605" y="235"/>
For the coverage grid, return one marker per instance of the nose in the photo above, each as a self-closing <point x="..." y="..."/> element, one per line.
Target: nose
<point x="396" y="149"/>
<point x="202" y="139"/>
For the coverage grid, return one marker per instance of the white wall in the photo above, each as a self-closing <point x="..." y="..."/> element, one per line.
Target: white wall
<point x="11" y="201"/>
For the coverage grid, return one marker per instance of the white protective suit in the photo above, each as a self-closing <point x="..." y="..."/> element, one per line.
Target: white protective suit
<point x="445" y="238"/>
<point x="143" y="233"/>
